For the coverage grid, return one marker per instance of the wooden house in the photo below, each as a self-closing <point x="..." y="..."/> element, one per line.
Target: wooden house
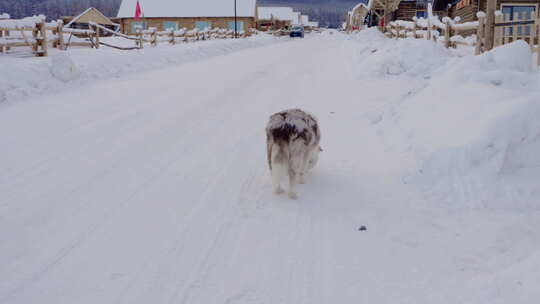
<point x="82" y="21"/>
<point x="190" y="14"/>
<point x="408" y="9"/>
<point x="467" y="9"/>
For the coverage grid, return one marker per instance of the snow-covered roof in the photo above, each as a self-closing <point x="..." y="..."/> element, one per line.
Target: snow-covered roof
<point x="4" y="16"/>
<point x="188" y="8"/>
<point x="275" y="12"/>
<point x="99" y="15"/>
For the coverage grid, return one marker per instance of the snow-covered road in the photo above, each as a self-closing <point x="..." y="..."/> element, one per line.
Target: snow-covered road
<point x="154" y="188"/>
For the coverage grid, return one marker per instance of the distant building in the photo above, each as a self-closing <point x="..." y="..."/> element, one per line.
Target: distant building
<point x="312" y="24"/>
<point x="297" y="18"/>
<point x="83" y="20"/>
<point x="274" y="17"/>
<point x="190" y="14"/>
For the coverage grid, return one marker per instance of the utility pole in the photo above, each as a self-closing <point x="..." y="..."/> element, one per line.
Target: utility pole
<point x="235" y="22"/>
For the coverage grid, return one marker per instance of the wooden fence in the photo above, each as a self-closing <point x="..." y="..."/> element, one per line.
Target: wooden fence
<point x="154" y="37"/>
<point x="448" y="31"/>
<point x="38" y="35"/>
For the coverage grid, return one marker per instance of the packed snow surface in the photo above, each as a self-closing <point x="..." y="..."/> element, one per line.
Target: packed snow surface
<point x="32" y="76"/>
<point x="153" y="187"/>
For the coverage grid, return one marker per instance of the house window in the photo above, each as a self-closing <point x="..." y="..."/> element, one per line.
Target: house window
<point x="136" y="25"/>
<point x="203" y="25"/>
<point x="170" y="25"/>
<point x="239" y="26"/>
<point x="518" y="13"/>
<point x="421" y="14"/>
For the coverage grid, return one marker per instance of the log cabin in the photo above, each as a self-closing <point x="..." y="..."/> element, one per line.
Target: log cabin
<point x="190" y="14"/>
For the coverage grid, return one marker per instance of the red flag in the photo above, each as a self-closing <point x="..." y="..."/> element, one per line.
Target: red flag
<point x="138" y="12"/>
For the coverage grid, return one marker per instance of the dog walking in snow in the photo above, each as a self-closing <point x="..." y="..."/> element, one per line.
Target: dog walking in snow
<point x="292" y="142"/>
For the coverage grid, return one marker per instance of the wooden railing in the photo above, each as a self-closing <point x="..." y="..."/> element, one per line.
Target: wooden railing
<point x="39" y="35"/>
<point x="34" y="33"/>
<point x="448" y="31"/>
<point x="154" y="37"/>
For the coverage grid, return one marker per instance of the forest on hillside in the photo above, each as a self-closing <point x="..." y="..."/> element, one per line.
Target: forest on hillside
<point x="327" y="12"/>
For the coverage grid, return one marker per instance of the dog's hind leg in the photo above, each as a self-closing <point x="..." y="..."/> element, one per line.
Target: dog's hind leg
<point x="279" y="166"/>
<point x="292" y="184"/>
<point x="276" y="177"/>
<point x="303" y="169"/>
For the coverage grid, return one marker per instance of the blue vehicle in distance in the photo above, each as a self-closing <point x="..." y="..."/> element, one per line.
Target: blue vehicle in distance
<point x="297" y="31"/>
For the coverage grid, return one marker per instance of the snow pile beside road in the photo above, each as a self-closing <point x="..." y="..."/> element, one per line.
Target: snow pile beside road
<point x="63" y="68"/>
<point x="410" y="57"/>
<point x="472" y="118"/>
<point x="33" y="76"/>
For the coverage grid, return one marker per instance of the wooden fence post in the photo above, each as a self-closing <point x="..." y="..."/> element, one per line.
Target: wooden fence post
<point x="35" y="33"/>
<point x="532" y="34"/>
<point x="499" y="30"/>
<point x="96" y="28"/>
<point x="414" y="28"/>
<point x="42" y="41"/>
<point x="537" y="31"/>
<point x="154" y="37"/>
<point x="489" y="30"/>
<point x="1" y="46"/>
<point x="139" y="34"/>
<point x="60" y="32"/>
<point x="173" y="40"/>
<point x="6" y="34"/>
<point x="44" y="46"/>
<point x="428" y="37"/>
<point x="515" y="28"/>
<point x="480" y="34"/>
<point x="447" y="30"/>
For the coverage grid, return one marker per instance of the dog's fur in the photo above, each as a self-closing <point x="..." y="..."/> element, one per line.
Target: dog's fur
<point x="292" y="141"/>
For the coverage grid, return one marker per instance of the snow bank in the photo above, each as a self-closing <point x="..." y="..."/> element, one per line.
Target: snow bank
<point x="63" y="68"/>
<point x="32" y="76"/>
<point x="472" y="117"/>
<point x="413" y="57"/>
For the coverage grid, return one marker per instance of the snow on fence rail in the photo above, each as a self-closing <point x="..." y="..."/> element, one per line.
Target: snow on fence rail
<point x="448" y="31"/>
<point x="429" y="29"/>
<point x="35" y="33"/>
<point x="154" y="37"/>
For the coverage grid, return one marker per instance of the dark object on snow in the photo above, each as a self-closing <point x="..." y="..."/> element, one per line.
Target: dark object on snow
<point x="362" y="228"/>
<point x="297" y="31"/>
